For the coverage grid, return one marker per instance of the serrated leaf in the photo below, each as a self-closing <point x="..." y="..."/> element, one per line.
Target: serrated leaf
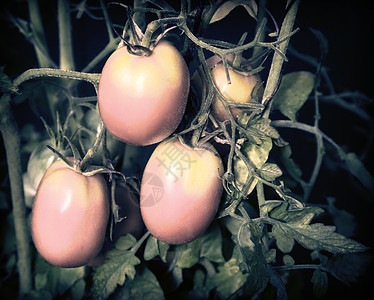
<point x="228" y="6"/>
<point x="320" y="283"/>
<point x="155" y="248"/>
<point x="151" y="248"/>
<point x="211" y="247"/>
<point x="144" y="286"/>
<point x="284" y="242"/>
<point x="270" y="205"/>
<point x="357" y="169"/>
<point x="270" y="171"/>
<point x="125" y="242"/>
<point x="321" y="237"/>
<point x="298" y="217"/>
<point x="293" y="92"/>
<point x="263" y="126"/>
<point x="54" y="280"/>
<point x="120" y="263"/>
<point x="208" y="246"/>
<point x="187" y="255"/>
<point x="257" y="155"/>
<point x="228" y="280"/>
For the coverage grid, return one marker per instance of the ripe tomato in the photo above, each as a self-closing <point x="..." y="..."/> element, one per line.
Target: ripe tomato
<point x="142" y="99"/>
<point x="69" y="216"/>
<point x="239" y="90"/>
<point x="180" y="192"/>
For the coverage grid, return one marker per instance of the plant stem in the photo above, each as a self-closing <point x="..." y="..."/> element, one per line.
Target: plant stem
<point x="276" y="65"/>
<point x="93" y="78"/>
<point x="39" y="40"/>
<point x="140" y="242"/>
<point x="64" y="34"/>
<point x="10" y="133"/>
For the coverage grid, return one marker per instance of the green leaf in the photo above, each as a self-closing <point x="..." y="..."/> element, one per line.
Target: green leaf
<point x="126" y="242"/>
<point x="228" y="6"/>
<point x="199" y="290"/>
<point x="357" y="169"/>
<point x="228" y="280"/>
<point x="263" y="126"/>
<point x="321" y="237"/>
<point x="209" y="245"/>
<point x="297" y="217"/>
<point x="270" y="171"/>
<point x="187" y="255"/>
<point x="257" y="155"/>
<point x="78" y="289"/>
<point x="120" y="263"/>
<point x="144" y="286"/>
<point x="293" y="92"/>
<point x="320" y="283"/>
<point x="55" y="280"/>
<point x="288" y="260"/>
<point x="154" y="248"/>
<point x="283" y="241"/>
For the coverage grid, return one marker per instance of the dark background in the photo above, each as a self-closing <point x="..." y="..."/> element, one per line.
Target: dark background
<point x="349" y="28"/>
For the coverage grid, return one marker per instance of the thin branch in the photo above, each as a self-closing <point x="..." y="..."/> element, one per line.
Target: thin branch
<point x="277" y="63"/>
<point x="11" y="137"/>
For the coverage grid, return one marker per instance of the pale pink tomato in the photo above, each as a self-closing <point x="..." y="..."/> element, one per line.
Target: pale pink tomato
<point x="69" y="216"/>
<point x="181" y="191"/>
<point x="142" y="99"/>
<point x="241" y="88"/>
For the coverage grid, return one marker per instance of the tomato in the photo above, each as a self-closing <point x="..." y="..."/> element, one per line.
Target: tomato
<point x="180" y="191"/>
<point x="69" y="216"/>
<point x="239" y="90"/>
<point x="142" y="99"/>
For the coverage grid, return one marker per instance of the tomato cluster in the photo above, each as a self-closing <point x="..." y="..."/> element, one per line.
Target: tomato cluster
<point x="141" y="101"/>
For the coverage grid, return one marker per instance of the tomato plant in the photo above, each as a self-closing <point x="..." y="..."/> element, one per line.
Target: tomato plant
<point x="181" y="190"/>
<point x="142" y="98"/>
<point x="69" y="216"/>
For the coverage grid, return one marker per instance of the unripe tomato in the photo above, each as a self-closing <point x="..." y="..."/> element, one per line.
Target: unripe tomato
<point x="180" y="192"/>
<point x="239" y="90"/>
<point x="69" y="216"/>
<point x="142" y="99"/>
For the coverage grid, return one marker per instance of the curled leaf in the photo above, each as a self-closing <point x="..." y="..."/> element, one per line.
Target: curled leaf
<point x="293" y="93"/>
<point x="228" y="6"/>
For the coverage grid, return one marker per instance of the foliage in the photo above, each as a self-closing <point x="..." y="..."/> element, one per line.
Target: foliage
<point x="266" y="217"/>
